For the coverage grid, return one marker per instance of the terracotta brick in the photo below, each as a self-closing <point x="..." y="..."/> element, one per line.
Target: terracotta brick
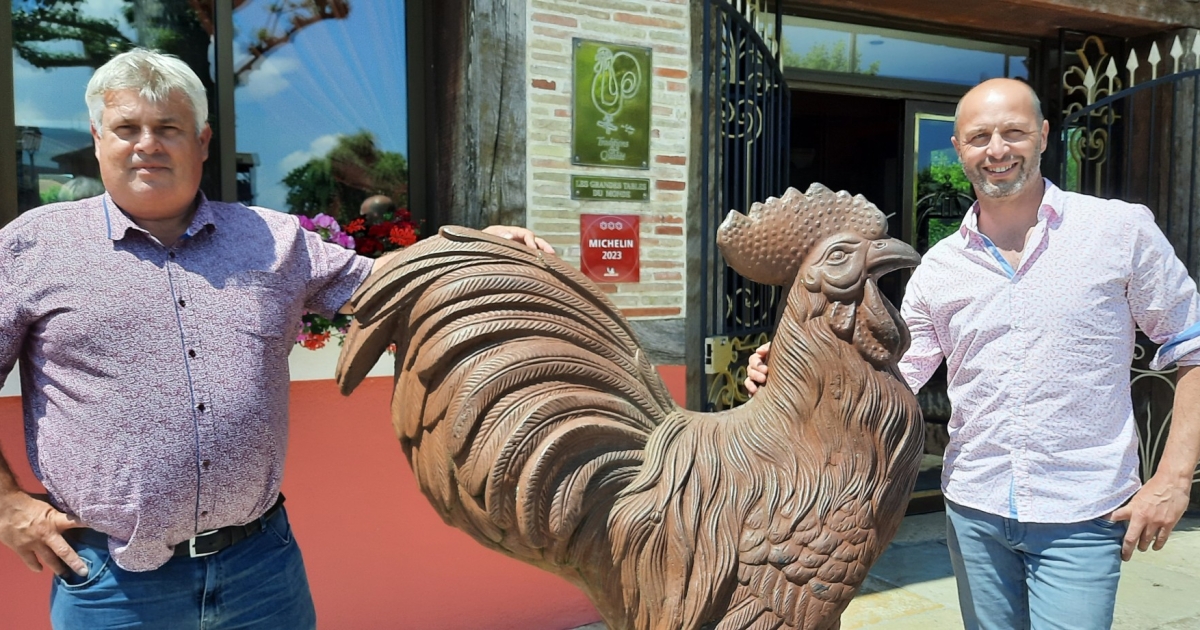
<point x="670" y="230"/>
<point x="665" y="49"/>
<point x="670" y="73"/>
<point x="607" y="287"/>
<point x="667" y="184"/>
<point x="645" y="20"/>
<point x="562" y="113"/>
<point x="668" y="275"/>
<point x="676" y="86"/>
<point x="678" y="160"/>
<point x="650" y="312"/>
<point x="561" y="20"/>
<point x="543" y="84"/>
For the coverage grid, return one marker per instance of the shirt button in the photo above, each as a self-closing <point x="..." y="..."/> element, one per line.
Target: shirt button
<point x="205" y="464"/>
<point x="204" y="513"/>
<point x="200" y="406"/>
<point x="171" y="254"/>
<point x="181" y="302"/>
<point x="192" y="353"/>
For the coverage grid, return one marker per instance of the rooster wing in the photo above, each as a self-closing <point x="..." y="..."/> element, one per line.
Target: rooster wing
<point x="523" y="400"/>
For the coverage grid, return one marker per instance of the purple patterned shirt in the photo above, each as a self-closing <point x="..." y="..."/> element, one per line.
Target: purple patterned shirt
<point x="155" y="380"/>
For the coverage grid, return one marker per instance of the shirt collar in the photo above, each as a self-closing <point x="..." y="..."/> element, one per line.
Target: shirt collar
<point x="1050" y="212"/>
<point x="118" y="222"/>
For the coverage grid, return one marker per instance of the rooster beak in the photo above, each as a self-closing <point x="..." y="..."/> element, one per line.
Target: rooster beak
<point x="889" y="255"/>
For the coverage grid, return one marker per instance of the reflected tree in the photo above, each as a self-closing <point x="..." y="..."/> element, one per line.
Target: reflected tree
<point x="834" y="58"/>
<point x="944" y="194"/>
<point x="178" y="27"/>
<point x="337" y="184"/>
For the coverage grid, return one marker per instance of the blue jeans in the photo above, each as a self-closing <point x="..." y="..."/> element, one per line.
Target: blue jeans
<point x="256" y="583"/>
<point x="1014" y="575"/>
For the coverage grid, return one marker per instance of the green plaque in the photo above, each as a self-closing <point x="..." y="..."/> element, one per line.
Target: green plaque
<point x="610" y="188"/>
<point x="611" y="105"/>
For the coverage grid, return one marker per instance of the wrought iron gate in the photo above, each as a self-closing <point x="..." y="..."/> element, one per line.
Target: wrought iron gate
<point x="745" y="148"/>
<point x="1129" y="130"/>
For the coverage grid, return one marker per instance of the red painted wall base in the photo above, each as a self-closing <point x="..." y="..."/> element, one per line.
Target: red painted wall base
<point x="377" y="555"/>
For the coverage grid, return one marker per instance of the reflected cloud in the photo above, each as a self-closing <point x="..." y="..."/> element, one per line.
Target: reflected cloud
<point x="269" y="77"/>
<point x="29" y="114"/>
<point x="317" y="148"/>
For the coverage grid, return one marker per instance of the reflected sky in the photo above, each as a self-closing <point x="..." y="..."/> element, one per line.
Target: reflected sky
<point x="934" y="139"/>
<point x="909" y="58"/>
<point x="336" y="76"/>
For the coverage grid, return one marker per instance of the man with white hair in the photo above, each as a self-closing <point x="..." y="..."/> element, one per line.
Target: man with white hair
<point x="153" y="327"/>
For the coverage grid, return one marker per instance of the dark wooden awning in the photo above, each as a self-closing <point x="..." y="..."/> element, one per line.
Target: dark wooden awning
<point x="1022" y="18"/>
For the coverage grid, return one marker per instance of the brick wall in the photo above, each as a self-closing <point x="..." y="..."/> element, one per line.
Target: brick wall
<point x="663" y="26"/>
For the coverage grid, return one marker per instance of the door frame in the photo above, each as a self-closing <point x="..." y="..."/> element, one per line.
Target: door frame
<point x="914" y="109"/>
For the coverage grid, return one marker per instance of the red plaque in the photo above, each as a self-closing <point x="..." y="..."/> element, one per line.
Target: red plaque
<point x="609" y="247"/>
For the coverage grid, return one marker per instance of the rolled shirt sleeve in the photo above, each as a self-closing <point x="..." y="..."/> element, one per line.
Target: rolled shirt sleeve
<point x="1162" y="297"/>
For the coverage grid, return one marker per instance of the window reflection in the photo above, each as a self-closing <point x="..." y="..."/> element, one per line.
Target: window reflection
<point x="57" y="44"/>
<point x="321" y="105"/>
<point x="943" y="193"/>
<point x="848" y="48"/>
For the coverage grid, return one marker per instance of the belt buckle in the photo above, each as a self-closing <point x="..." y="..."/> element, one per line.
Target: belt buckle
<point x="192" y="553"/>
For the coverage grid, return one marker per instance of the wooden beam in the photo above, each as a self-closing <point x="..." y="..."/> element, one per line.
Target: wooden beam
<point x="1017" y="18"/>
<point x="8" y="131"/>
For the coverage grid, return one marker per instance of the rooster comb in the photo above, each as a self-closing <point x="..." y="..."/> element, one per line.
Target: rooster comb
<point x="768" y="244"/>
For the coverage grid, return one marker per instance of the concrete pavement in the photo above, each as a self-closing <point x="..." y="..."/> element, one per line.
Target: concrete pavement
<point x="912" y="585"/>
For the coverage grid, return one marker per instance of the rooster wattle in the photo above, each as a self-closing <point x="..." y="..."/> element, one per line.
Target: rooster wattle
<point x="534" y="422"/>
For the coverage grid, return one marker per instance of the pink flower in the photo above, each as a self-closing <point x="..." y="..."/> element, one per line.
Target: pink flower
<point x="325" y="221"/>
<point x="344" y="239"/>
<point x="307" y="223"/>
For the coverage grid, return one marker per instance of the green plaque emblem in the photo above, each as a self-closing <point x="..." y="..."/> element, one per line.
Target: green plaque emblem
<point x="610" y="188"/>
<point x="611" y="105"/>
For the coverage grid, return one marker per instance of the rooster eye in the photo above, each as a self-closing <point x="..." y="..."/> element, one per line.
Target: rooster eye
<point x="836" y="256"/>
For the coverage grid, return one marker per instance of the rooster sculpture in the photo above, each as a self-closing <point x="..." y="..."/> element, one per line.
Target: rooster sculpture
<point x="533" y="422"/>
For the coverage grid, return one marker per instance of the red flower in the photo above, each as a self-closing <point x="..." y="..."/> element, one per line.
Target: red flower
<point x="403" y="236"/>
<point x="315" y="341"/>
<point x="356" y="225"/>
<point x="380" y="230"/>
<point x="368" y="246"/>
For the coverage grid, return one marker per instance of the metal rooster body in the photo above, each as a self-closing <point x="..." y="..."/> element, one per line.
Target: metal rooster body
<point x="534" y="422"/>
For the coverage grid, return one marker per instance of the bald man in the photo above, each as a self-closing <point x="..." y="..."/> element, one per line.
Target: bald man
<point x="1034" y="304"/>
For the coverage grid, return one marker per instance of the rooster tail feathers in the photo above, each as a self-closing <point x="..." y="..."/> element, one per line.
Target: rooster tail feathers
<point x="522" y="399"/>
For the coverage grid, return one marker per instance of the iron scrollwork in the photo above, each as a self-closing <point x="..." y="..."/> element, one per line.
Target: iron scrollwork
<point x="1153" y="423"/>
<point x="1094" y="78"/>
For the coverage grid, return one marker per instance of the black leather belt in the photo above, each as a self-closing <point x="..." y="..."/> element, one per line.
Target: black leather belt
<point x="202" y="544"/>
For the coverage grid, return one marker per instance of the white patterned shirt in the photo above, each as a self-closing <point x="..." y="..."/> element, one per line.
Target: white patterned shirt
<point x="1038" y="358"/>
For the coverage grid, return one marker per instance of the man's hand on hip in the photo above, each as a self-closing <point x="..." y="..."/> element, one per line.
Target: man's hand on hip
<point x="1152" y="514"/>
<point x="34" y="529"/>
